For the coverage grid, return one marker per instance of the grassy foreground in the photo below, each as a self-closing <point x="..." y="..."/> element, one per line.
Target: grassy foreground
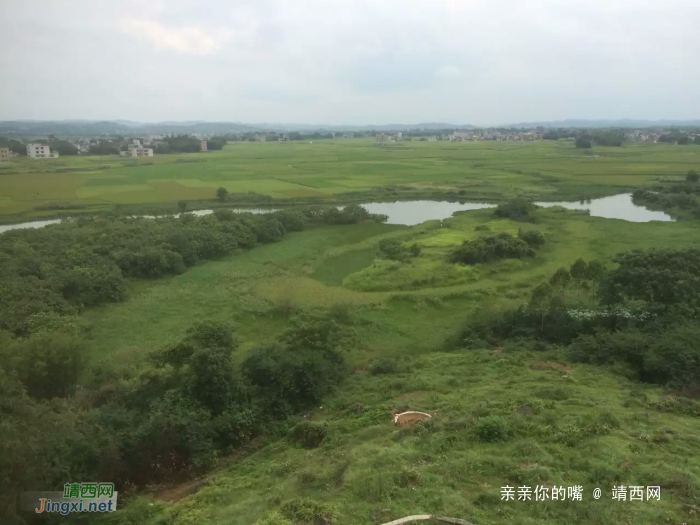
<point x="332" y="170"/>
<point x="502" y="416"/>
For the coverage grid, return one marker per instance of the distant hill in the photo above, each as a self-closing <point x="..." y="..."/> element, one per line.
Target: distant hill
<point x="620" y="123"/>
<point x="77" y="127"/>
<point x="28" y="128"/>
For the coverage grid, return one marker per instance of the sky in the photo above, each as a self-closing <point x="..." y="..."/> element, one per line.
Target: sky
<point x="481" y="62"/>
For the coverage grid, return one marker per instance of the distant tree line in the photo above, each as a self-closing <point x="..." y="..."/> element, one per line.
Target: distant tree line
<point x="187" y="144"/>
<point x="680" y="138"/>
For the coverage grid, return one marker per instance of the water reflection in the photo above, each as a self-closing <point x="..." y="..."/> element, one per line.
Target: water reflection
<point x="410" y="213"/>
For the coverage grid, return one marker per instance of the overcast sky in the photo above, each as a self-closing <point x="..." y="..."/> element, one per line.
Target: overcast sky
<point x="349" y="61"/>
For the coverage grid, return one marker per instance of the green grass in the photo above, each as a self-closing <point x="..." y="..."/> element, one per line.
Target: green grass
<point x="333" y="270"/>
<point x="563" y="424"/>
<point x="347" y="169"/>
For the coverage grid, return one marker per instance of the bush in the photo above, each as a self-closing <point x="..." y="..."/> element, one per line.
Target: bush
<point x="383" y="366"/>
<point x="306" y="511"/>
<point x="393" y="250"/>
<point x="302" y="368"/>
<point x="47" y="364"/>
<point x="309" y="435"/>
<point x="517" y="209"/>
<point x="274" y="519"/>
<point x="533" y="238"/>
<point x="488" y="249"/>
<point x="491" y="429"/>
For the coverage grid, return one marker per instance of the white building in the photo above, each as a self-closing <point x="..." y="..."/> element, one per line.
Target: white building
<point x="38" y="151"/>
<point x="4" y="154"/>
<point x="137" y="151"/>
<point x="202" y="145"/>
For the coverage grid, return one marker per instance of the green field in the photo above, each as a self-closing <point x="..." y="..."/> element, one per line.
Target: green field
<point x="347" y="169"/>
<point x="572" y="424"/>
<point x="558" y="422"/>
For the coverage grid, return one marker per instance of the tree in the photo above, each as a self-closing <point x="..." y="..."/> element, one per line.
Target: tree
<point x="221" y="194"/>
<point x="583" y="143"/>
<point x="516" y="209"/>
<point x="579" y="269"/>
<point x="692" y="176"/>
<point x="182" y="205"/>
<point x="63" y="147"/>
<point x="104" y="147"/>
<point x="561" y="277"/>
<point x="47" y="364"/>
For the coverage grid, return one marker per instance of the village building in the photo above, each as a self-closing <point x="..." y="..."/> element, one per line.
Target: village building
<point x="136" y="150"/>
<point x="4" y="154"/>
<point x="38" y="151"/>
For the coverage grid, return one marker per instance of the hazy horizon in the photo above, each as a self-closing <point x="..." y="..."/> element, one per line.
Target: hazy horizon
<point x="357" y="63"/>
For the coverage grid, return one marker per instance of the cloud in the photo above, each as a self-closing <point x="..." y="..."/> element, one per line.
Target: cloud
<point x="449" y="72"/>
<point x="351" y="61"/>
<point x="192" y="40"/>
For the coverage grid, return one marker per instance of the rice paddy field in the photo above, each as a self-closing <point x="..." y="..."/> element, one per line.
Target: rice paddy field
<point x="337" y="170"/>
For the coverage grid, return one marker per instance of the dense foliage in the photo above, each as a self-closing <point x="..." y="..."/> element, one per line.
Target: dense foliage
<point x="48" y="275"/>
<point x="173" y="417"/>
<point x="680" y="199"/>
<point x="396" y="251"/>
<point x="642" y="313"/>
<point x="187" y="144"/>
<point x="516" y="209"/>
<point x="502" y="246"/>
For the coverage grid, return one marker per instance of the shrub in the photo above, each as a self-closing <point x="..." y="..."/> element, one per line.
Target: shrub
<point x="516" y="209"/>
<point x="274" y="519"/>
<point x="532" y="238"/>
<point x="488" y="249"/>
<point x="307" y="511"/>
<point x="291" y="379"/>
<point x="48" y="364"/>
<point x="309" y="435"/>
<point x="393" y="250"/>
<point x="491" y="429"/>
<point x="383" y="366"/>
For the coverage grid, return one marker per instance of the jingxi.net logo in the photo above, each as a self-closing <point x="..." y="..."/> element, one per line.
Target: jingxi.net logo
<point x="76" y="497"/>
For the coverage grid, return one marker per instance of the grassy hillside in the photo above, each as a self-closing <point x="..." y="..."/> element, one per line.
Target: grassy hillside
<point x="338" y="169"/>
<point x="563" y="425"/>
<point x="509" y="415"/>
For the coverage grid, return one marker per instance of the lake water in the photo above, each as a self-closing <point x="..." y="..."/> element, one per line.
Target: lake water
<point x="410" y="213"/>
<point x="614" y="207"/>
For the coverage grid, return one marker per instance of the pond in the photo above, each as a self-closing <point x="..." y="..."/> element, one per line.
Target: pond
<point x="614" y="207"/>
<point x="410" y="213"/>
